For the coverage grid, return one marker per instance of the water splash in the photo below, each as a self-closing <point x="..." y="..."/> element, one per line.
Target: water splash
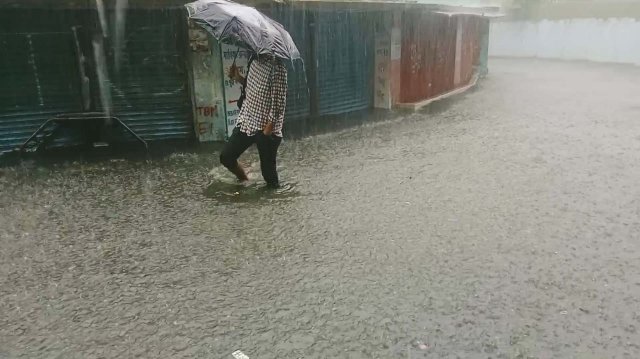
<point x="85" y="87"/>
<point x="252" y="192"/>
<point x="102" y="15"/>
<point x="103" y="75"/>
<point x="119" y="28"/>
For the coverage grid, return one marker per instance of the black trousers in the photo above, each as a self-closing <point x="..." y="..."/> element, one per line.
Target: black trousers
<point x="267" y="149"/>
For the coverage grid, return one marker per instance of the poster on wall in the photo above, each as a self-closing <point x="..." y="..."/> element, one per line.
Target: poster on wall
<point x="207" y="117"/>
<point x="232" y="89"/>
<point x="208" y="104"/>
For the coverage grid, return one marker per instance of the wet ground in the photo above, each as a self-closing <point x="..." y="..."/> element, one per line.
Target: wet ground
<point x="505" y="226"/>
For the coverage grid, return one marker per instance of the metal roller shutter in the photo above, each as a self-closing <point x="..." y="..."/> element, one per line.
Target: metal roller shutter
<point x="345" y="54"/>
<point x="39" y="79"/>
<point x="150" y="92"/>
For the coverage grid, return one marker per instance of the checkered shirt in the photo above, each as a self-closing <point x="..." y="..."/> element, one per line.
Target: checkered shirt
<point x="266" y="96"/>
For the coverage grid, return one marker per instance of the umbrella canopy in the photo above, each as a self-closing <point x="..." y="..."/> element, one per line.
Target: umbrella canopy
<point x="243" y="26"/>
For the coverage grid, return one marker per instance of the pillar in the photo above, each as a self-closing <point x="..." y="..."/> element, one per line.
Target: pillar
<point x="387" y="61"/>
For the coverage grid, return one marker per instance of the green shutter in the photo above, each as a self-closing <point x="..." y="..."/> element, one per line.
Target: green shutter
<point x="40" y="76"/>
<point x="39" y="79"/>
<point x="345" y="59"/>
<point x="150" y="92"/>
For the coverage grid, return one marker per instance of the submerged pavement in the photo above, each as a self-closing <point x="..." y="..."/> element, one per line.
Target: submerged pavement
<point x="504" y="226"/>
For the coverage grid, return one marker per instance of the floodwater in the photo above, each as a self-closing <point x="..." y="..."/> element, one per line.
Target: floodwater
<point x="504" y="226"/>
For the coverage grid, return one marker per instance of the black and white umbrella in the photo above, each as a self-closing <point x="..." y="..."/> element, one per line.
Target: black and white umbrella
<point x="244" y="26"/>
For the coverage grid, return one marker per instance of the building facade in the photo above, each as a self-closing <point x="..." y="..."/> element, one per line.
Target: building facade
<point x="143" y="62"/>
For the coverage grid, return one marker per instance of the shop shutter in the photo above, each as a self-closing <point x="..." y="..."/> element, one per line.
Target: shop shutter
<point x="39" y="79"/>
<point x="149" y="92"/>
<point x="345" y="60"/>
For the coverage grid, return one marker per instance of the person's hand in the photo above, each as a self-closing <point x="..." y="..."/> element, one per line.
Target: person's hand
<point x="234" y="73"/>
<point x="268" y="129"/>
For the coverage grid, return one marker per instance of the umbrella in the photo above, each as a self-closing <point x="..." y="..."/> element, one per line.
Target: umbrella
<point x="243" y="26"/>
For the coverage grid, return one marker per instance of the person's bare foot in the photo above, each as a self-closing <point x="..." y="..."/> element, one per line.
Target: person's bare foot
<point x="240" y="174"/>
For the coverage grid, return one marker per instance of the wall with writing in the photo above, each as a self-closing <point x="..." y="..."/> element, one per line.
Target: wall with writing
<point x="207" y="87"/>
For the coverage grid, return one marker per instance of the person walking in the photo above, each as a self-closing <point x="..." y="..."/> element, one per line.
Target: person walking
<point x="260" y="121"/>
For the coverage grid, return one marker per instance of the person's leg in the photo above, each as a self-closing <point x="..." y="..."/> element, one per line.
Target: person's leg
<point x="268" y="151"/>
<point x="237" y="144"/>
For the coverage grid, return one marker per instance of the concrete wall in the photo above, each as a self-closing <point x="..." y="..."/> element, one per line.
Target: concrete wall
<point x="615" y="40"/>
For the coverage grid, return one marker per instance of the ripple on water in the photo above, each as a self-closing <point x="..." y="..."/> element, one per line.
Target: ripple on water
<point x="252" y="192"/>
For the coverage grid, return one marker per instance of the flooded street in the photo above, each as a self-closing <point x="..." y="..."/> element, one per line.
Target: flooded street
<point x="505" y="225"/>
